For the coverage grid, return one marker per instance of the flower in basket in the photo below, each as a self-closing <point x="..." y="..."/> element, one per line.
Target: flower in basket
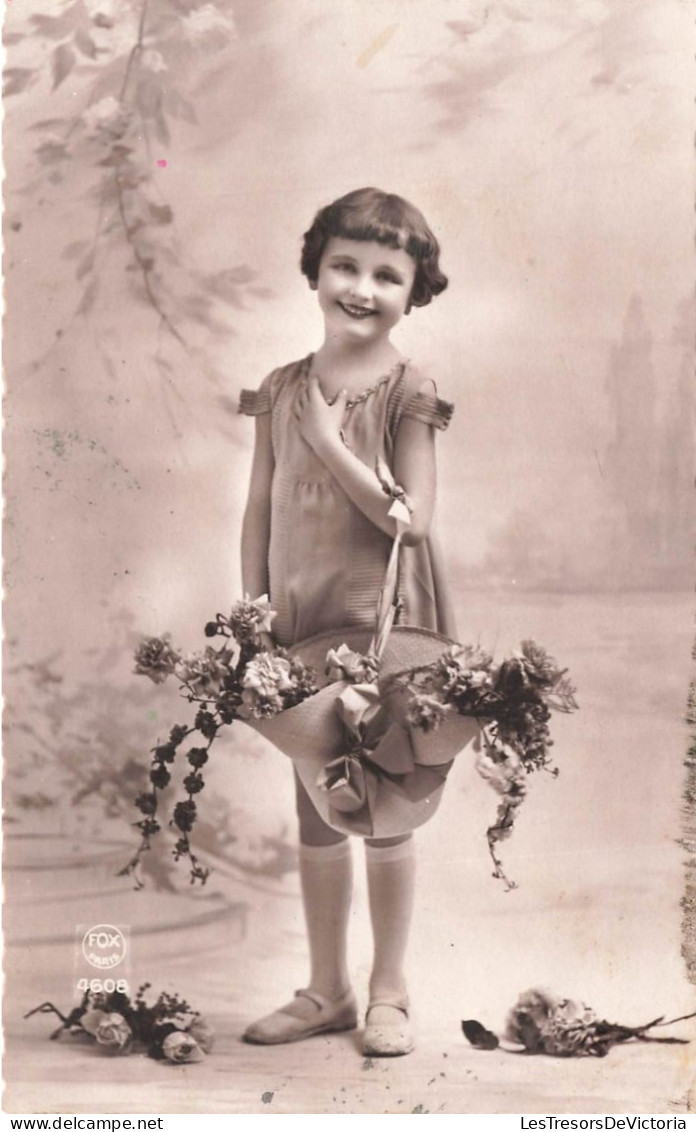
<point x="204" y="672"/>
<point x="461" y="677"/>
<point x="458" y="663"/>
<point x="264" y="681"/>
<point x="249" y="619"/>
<point x="426" y="712"/>
<point x="272" y="682"/>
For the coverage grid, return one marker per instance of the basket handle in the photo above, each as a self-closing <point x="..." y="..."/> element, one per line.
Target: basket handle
<point x="400" y="511"/>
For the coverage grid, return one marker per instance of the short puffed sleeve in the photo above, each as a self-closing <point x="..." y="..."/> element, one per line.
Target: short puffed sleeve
<point x="428" y="408"/>
<point x="254" y="402"/>
<point x="415" y="395"/>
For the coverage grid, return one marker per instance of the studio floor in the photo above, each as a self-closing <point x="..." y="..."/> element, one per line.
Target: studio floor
<point x="596" y="916"/>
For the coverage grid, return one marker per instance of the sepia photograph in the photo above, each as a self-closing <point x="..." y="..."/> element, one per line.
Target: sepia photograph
<point x="349" y="698"/>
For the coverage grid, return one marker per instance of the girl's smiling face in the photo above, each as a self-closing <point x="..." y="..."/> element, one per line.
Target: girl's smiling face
<point x="363" y="287"/>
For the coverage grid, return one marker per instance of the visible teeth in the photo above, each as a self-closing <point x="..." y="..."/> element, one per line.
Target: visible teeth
<point x="361" y="312"/>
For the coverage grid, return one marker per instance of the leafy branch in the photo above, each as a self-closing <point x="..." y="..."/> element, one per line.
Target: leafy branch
<point x="133" y="66"/>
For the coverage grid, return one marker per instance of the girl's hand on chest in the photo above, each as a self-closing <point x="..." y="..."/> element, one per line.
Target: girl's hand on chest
<point x="319" y="422"/>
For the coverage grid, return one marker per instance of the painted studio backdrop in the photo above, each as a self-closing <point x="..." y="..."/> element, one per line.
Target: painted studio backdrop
<point x="163" y="159"/>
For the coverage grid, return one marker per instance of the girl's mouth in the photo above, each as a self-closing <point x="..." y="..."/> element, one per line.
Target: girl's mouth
<point x="356" y="312"/>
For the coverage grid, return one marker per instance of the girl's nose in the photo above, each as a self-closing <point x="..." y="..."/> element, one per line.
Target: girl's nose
<point x="361" y="287"/>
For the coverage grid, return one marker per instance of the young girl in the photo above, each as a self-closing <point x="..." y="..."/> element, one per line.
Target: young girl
<point x="317" y="535"/>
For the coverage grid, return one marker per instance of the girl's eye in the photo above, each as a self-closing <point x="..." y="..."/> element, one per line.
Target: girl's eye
<point x="387" y="277"/>
<point x="344" y="266"/>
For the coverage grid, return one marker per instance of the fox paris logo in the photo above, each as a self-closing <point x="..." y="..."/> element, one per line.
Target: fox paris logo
<point x="104" y="947"/>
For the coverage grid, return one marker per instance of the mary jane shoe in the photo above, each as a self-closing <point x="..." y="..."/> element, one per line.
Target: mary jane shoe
<point x="388" y="1039"/>
<point x="331" y="1016"/>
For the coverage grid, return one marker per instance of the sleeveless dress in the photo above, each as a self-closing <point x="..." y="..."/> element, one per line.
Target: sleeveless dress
<point x="326" y="559"/>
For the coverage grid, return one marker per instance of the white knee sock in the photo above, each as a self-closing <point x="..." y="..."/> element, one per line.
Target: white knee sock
<point x="390" y="883"/>
<point x="326" y="873"/>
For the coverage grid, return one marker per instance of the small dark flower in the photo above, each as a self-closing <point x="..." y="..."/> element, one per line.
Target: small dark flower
<point x="160" y="777"/>
<point x="148" y="826"/>
<point x="193" y="783"/>
<point x="185" y="815"/>
<point x="177" y="735"/>
<point x="146" y="803"/>
<point x="166" y="753"/>
<point x="511" y="678"/>
<point x="205" y="722"/>
<point x="197" y="756"/>
<point x="211" y="629"/>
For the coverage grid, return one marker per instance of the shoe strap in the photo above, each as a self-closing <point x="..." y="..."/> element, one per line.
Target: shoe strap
<point x="320" y="1000"/>
<point x="401" y="1004"/>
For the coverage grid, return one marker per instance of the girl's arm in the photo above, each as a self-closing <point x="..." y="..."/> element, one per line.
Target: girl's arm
<point x="256" y="525"/>
<point x="414" y="463"/>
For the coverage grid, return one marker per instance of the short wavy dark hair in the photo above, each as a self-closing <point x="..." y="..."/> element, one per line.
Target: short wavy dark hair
<point x="370" y="214"/>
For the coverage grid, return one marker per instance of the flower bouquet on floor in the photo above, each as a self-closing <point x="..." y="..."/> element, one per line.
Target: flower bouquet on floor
<point x="372" y="721"/>
<point x="166" y="1030"/>
<point x="544" y="1022"/>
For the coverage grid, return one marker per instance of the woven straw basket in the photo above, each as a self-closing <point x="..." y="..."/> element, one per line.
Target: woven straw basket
<point x="312" y="734"/>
